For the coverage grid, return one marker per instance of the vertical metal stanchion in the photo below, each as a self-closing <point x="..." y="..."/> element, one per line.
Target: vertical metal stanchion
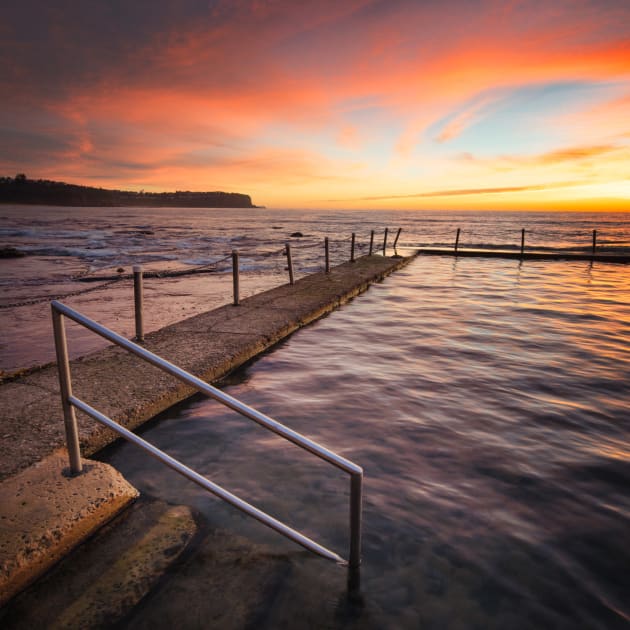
<point x="289" y="262"/>
<point x="397" y="237"/>
<point x="352" y="248"/>
<point x="356" y="484"/>
<point x="385" y="242"/>
<point x="457" y="240"/>
<point x="594" y="242"/>
<point x="235" y="279"/>
<point x="138" y="301"/>
<point x="522" y="242"/>
<point x="65" y="386"/>
<point x="371" y="242"/>
<point x="327" y="254"/>
<point x="354" y="560"/>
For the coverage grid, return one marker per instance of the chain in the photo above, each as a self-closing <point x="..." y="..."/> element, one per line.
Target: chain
<point x="60" y="296"/>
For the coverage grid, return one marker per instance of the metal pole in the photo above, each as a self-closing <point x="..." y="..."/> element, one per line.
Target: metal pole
<point x="235" y="276"/>
<point x="397" y="237"/>
<point x="352" y="248"/>
<point x="385" y="242"/>
<point x="457" y="240"/>
<point x="138" y="301"/>
<point x="327" y="252"/>
<point x="594" y="241"/>
<point x="371" y="242"/>
<point x="356" y="484"/>
<point x="65" y="386"/>
<point x="522" y="242"/>
<point x="289" y="262"/>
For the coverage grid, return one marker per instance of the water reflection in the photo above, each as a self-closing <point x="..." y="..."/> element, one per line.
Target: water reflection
<point x="487" y="402"/>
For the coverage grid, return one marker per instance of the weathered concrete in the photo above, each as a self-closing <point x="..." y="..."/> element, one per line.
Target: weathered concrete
<point x="526" y="255"/>
<point x="106" y="577"/>
<point x="225" y="584"/>
<point x="209" y="345"/>
<point x="44" y="513"/>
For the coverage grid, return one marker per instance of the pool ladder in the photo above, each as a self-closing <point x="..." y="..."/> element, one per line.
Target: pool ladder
<point x="69" y="402"/>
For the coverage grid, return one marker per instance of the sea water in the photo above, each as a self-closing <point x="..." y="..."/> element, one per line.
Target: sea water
<point x="65" y="248"/>
<point x="487" y="401"/>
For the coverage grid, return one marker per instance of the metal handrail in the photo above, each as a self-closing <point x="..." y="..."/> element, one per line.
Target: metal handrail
<point x="69" y="402"/>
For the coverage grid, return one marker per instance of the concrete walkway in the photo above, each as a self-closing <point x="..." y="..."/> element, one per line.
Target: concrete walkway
<point x="209" y="345"/>
<point x="526" y="255"/>
<point x="131" y="392"/>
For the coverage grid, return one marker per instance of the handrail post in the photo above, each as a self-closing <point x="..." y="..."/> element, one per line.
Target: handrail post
<point x="352" y="248"/>
<point x="289" y="262"/>
<point x="397" y="237"/>
<point x="356" y="499"/>
<point x="138" y="301"/>
<point x="385" y="242"/>
<point x="235" y="278"/>
<point x="371" y="242"/>
<point x="522" y="242"/>
<point x="457" y="240"/>
<point x="594" y="242"/>
<point x="65" y="386"/>
<point x="327" y="254"/>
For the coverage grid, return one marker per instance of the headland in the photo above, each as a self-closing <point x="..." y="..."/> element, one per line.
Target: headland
<point x="22" y="190"/>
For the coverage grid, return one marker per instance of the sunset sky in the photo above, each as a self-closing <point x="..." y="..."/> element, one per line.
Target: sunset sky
<point x="349" y="104"/>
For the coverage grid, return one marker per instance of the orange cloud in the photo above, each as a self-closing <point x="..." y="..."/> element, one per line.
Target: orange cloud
<point x="575" y="153"/>
<point x="472" y="191"/>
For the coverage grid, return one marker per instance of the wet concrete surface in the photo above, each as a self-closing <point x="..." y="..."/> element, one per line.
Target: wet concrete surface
<point x="107" y="576"/>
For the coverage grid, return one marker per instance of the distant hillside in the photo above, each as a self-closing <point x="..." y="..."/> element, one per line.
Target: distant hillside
<point x="20" y="189"/>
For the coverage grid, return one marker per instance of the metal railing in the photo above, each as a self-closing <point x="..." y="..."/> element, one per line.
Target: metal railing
<point x="69" y="402"/>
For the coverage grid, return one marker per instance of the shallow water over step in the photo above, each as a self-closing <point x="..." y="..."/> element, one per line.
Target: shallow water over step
<point x="487" y="401"/>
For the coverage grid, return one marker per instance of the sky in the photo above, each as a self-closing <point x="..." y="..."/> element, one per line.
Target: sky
<point x="477" y="104"/>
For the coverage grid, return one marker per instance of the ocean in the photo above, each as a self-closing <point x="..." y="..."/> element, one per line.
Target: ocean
<point x="66" y="247"/>
<point x="486" y="399"/>
<point x="487" y="402"/>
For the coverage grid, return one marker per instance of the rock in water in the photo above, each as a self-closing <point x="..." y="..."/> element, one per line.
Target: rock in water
<point x="11" y="252"/>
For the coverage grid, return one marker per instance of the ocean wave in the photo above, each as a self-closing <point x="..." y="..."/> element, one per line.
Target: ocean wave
<point x="83" y="253"/>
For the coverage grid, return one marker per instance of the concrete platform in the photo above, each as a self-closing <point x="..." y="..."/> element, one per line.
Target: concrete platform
<point x="110" y="574"/>
<point x="45" y="513"/>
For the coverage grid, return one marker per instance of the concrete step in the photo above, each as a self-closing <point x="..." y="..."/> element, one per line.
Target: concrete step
<point x="227" y="582"/>
<point x="45" y="513"/>
<point x="156" y="566"/>
<point x="103" y="579"/>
